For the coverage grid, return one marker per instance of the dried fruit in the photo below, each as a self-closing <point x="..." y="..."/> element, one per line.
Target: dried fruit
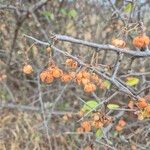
<point x="95" y="78"/>
<point x="79" y="76"/>
<point x="141" y="41"/>
<point x="71" y="63"/>
<point x="90" y="87"/>
<point x="118" y="128"/>
<point x="142" y="103"/>
<point x="96" y="117"/>
<point x="27" y="69"/>
<point x="147" y="109"/>
<point x="56" y="72"/>
<point x="118" y="43"/>
<point x="82" y="77"/>
<point x="72" y="74"/>
<point x="85" y="74"/>
<point x="97" y="124"/>
<point x="121" y="123"/>
<point x="85" y="81"/>
<point x="46" y="76"/>
<point x="66" y="77"/>
<point x="86" y="126"/>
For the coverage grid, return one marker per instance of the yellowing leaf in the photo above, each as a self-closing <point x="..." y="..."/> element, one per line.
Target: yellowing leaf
<point x="99" y="133"/>
<point x="128" y="8"/>
<point x="107" y="84"/>
<point x="89" y="105"/>
<point x="113" y="106"/>
<point x="131" y="81"/>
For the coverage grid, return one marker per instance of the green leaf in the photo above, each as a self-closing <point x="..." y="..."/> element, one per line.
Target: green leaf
<point x="99" y="133"/>
<point x="128" y="8"/>
<point x="89" y="105"/>
<point x="131" y="81"/>
<point x="113" y="106"/>
<point x="48" y="14"/>
<point x="72" y="13"/>
<point x="107" y="84"/>
<point x="63" y="11"/>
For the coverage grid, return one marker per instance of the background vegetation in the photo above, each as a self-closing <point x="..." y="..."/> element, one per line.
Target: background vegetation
<point x="37" y="116"/>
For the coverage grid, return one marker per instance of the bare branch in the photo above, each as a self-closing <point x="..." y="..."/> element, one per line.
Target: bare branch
<point x="115" y="81"/>
<point x="102" y="46"/>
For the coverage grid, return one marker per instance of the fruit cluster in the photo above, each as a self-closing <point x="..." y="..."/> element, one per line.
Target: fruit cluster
<point x="140" y="41"/>
<point x="143" y="108"/>
<point x="97" y="120"/>
<point x="48" y="75"/>
<point x="89" y="80"/>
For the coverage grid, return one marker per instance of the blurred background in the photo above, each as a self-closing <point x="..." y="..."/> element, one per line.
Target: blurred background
<point x="34" y="115"/>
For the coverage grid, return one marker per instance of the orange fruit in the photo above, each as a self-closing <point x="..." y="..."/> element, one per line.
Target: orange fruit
<point x="90" y="87"/>
<point x="118" y="43"/>
<point x="72" y="74"/>
<point x="79" y="75"/>
<point x="66" y="77"/>
<point x="96" y="117"/>
<point x="56" y="72"/>
<point x="121" y="123"/>
<point x="118" y="128"/>
<point x="141" y="41"/>
<point x="71" y="63"/>
<point x="94" y="77"/>
<point x="97" y="124"/>
<point x="85" y="74"/>
<point x="147" y="109"/>
<point x="85" y="81"/>
<point x="27" y="69"/>
<point x="46" y="76"/>
<point x="142" y="103"/>
<point x="86" y="126"/>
